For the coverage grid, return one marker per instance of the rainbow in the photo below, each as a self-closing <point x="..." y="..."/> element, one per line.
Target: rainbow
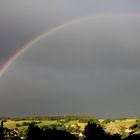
<point x="33" y="41"/>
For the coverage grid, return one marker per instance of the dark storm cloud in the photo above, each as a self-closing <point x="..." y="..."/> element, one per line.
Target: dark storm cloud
<point x="88" y="67"/>
<point x="22" y="20"/>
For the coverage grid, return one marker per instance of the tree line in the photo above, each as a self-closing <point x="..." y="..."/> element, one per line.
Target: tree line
<point x="82" y="118"/>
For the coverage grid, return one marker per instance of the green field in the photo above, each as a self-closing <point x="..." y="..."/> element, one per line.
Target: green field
<point x="110" y="126"/>
<point x="73" y="126"/>
<point x="11" y="124"/>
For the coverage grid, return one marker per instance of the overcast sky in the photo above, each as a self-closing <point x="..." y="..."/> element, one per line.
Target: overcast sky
<point x="22" y="20"/>
<point x="89" y="67"/>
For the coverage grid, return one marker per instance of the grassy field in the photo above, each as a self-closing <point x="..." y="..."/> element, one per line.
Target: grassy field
<point x="112" y="127"/>
<point x="117" y="123"/>
<point x="12" y="124"/>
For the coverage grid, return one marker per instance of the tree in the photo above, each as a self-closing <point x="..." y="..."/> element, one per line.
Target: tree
<point x="33" y="132"/>
<point x="106" y="121"/>
<point x="94" y="131"/>
<point x="2" y="131"/>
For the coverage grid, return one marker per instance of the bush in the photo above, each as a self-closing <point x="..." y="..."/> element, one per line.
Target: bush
<point x="136" y="126"/>
<point x="106" y="121"/>
<point x="25" y="123"/>
<point x="18" y="125"/>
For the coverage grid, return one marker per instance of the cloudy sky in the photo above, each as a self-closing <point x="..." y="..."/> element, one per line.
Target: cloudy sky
<point x="88" y="67"/>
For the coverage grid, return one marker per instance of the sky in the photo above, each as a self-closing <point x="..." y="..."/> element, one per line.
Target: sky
<point x="88" y="67"/>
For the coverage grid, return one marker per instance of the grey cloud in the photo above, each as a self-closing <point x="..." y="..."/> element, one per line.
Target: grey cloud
<point x="87" y="67"/>
<point x="22" y="20"/>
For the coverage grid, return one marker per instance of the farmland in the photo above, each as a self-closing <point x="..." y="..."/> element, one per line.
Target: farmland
<point x="111" y="126"/>
<point x="74" y="125"/>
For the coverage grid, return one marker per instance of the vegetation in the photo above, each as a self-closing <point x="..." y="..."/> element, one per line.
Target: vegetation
<point x="136" y="125"/>
<point x="120" y="128"/>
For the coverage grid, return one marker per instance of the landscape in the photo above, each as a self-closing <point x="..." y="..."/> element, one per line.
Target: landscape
<point x="71" y="127"/>
<point x="69" y="69"/>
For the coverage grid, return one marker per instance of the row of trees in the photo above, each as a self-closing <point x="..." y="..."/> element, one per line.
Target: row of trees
<point x="81" y="118"/>
<point x="60" y="117"/>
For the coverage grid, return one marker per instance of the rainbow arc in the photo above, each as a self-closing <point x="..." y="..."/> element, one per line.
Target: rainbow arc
<point x="29" y="44"/>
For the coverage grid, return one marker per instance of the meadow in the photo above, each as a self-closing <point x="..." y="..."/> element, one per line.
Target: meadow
<point x="115" y="126"/>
